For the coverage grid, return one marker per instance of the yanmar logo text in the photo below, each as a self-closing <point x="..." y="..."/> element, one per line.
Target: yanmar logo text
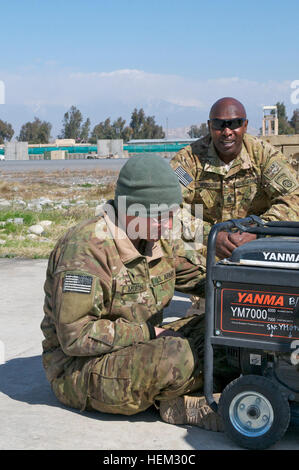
<point x="260" y="299"/>
<point x="284" y="257"/>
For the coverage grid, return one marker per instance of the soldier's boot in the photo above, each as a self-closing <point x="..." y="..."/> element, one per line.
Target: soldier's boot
<point x="191" y="409"/>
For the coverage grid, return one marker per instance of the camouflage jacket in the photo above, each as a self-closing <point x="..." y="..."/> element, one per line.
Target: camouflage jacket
<point x="260" y="181"/>
<point x="101" y="294"/>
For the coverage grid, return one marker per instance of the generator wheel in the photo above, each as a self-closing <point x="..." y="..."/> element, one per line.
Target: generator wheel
<point x="255" y="413"/>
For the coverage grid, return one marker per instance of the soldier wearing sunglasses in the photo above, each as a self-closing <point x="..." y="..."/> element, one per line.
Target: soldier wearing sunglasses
<point x="234" y="174"/>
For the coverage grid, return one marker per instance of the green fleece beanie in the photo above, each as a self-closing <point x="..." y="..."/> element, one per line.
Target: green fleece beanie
<point x="150" y="181"/>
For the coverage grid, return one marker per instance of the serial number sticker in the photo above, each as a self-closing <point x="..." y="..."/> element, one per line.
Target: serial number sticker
<point x="255" y="359"/>
<point x="266" y="313"/>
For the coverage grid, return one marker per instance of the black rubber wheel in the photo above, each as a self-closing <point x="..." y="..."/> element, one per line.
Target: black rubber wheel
<point x="255" y="413"/>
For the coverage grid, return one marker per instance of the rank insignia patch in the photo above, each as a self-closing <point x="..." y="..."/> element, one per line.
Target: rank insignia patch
<point x="272" y="170"/>
<point x="77" y="283"/>
<point x="183" y="176"/>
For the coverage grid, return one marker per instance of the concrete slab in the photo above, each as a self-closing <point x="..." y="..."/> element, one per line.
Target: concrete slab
<point x="32" y="418"/>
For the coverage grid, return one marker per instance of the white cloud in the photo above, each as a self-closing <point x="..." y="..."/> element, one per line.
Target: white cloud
<point x="2" y="92"/>
<point x="110" y="93"/>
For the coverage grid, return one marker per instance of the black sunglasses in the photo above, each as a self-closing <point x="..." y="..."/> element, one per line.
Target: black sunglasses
<point x="220" y="124"/>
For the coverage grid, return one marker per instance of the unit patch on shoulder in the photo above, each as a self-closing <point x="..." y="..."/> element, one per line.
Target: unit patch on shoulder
<point x="77" y="283"/>
<point x="183" y="176"/>
<point x="285" y="182"/>
<point x="273" y="169"/>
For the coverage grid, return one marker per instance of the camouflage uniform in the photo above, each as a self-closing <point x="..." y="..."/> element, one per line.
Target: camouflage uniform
<point x="259" y="181"/>
<point x="103" y="299"/>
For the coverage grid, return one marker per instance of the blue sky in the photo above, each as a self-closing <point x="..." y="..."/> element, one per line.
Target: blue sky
<point x="173" y="58"/>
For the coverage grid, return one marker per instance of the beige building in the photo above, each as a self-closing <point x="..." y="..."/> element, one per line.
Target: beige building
<point x="287" y="144"/>
<point x="270" y="121"/>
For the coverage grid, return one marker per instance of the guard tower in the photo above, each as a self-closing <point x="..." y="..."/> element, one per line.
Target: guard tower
<point x="270" y="120"/>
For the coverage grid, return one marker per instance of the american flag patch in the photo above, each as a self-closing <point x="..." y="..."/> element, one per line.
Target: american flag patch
<point x="183" y="176"/>
<point x="77" y="283"/>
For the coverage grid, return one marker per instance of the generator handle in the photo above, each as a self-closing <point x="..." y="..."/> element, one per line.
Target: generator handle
<point x="254" y="224"/>
<point x="209" y="306"/>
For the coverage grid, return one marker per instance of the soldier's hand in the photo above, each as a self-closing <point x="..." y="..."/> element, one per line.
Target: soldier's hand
<point x="226" y="242"/>
<point x="240" y="238"/>
<point x="166" y="332"/>
<point x="224" y="246"/>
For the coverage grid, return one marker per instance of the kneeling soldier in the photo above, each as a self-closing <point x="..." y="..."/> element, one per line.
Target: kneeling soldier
<point x="105" y="346"/>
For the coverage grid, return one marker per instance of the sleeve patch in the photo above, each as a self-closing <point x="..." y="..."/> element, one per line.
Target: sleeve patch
<point x="272" y="170"/>
<point x="285" y="182"/>
<point x="183" y="176"/>
<point x="77" y="283"/>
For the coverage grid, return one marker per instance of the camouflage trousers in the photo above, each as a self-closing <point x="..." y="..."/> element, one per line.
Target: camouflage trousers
<point x="133" y="378"/>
